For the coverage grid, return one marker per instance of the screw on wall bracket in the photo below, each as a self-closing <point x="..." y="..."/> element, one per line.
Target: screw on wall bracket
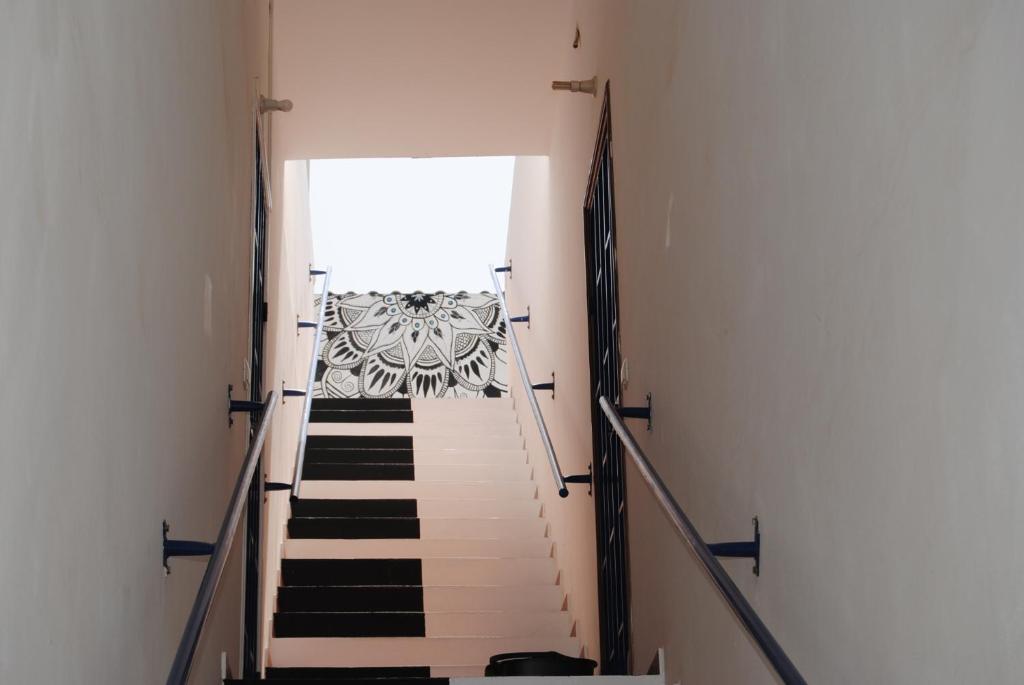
<point x="546" y="386"/>
<point x="639" y="412"/>
<point x="183" y="548"/>
<point x="742" y="550"/>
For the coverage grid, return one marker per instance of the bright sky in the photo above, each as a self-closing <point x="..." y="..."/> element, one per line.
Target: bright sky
<point x="410" y="224"/>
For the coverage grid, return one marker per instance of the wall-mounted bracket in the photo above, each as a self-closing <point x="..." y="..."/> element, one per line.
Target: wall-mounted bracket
<point x="317" y="272"/>
<point x="507" y="269"/>
<point x="741" y="550"/>
<point x="546" y="386"/>
<point x="271" y="105"/>
<point x="301" y="323"/>
<point x="589" y="86"/>
<point x="183" y="548"/>
<point x="273" y="486"/>
<point x="525" y="318"/>
<point x="639" y="412"/>
<point x="247" y="406"/>
<point x="587" y="478"/>
<point x="290" y="392"/>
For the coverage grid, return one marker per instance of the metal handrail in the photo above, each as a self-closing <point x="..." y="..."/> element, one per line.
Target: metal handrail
<point x="752" y="623"/>
<point x="219" y="558"/>
<point x="531" y="396"/>
<point x="307" y="406"/>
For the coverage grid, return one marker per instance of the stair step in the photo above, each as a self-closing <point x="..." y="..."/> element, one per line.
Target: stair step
<point x="382" y="508"/>
<point x="425" y="456"/>
<point x="462" y="404"/>
<point x="415" y="598"/>
<point x="347" y="424"/>
<point x="358" y="455"/>
<point x="362" y="403"/>
<point x="361" y="416"/>
<point x="349" y="624"/>
<point x="351" y="529"/>
<point x="325" y="441"/>
<point x="438" y="571"/>
<point x="360" y="435"/>
<point x="398" y="489"/>
<point x="537" y="548"/>
<point x="493" y="598"/>
<point x="432" y="529"/>
<point x="342" y="673"/>
<point x="468" y="508"/>
<point x="358" y="598"/>
<point x="423" y="473"/>
<point x="469" y="624"/>
<point x="351" y="572"/>
<point x="360" y="472"/>
<point x="448" y="652"/>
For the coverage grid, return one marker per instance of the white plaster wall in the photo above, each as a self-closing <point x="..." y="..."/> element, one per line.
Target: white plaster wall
<point x="124" y="267"/>
<point x="403" y="78"/>
<point x="819" y="215"/>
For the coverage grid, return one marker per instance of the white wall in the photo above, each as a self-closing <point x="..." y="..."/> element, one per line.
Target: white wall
<point x="124" y="267"/>
<point x="403" y="78"/>
<point x="819" y="215"/>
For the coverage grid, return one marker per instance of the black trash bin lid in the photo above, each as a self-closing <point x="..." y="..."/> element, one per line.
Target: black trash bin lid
<point x="538" y="663"/>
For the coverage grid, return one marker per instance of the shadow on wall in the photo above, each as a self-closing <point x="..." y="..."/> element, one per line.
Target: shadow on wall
<point x="428" y="345"/>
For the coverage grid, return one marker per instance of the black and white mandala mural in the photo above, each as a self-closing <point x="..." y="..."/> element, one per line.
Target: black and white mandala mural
<point x="412" y="345"/>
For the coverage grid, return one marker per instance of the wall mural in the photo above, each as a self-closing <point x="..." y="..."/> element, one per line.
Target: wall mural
<point x="412" y="345"/>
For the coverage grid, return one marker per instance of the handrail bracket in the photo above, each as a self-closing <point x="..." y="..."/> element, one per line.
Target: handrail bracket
<point x="741" y="550"/>
<point x="183" y="548"/>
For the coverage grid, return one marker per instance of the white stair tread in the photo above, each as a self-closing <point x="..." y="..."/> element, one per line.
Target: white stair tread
<point x="497" y="623"/>
<point x="407" y="651"/>
<point x="407" y="489"/>
<point x="489" y="571"/>
<point x="537" y="548"/>
<point x="473" y="472"/>
<point x="479" y="508"/>
<point x="464" y="456"/>
<point x="492" y="598"/>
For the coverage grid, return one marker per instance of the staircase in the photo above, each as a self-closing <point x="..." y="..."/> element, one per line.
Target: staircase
<point x="419" y="549"/>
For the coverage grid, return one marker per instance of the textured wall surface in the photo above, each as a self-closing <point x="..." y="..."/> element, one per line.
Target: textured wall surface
<point x="819" y="239"/>
<point x="124" y="314"/>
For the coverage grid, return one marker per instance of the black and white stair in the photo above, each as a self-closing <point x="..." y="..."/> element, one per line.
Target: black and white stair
<point x="419" y="550"/>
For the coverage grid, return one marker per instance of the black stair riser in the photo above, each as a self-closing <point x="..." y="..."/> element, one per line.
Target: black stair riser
<point x="365" y="403"/>
<point x="350" y="598"/>
<point x="379" y="416"/>
<point x="358" y="472"/>
<point x="348" y="455"/>
<point x="351" y="572"/>
<point x="324" y="624"/>
<point x="354" y="528"/>
<point x="376" y="508"/>
<point x="360" y="441"/>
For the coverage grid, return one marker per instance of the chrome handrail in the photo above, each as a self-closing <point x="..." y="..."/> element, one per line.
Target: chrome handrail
<point x="531" y="396"/>
<point x="307" y="406"/>
<point x="219" y="558"/>
<point x="752" y="623"/>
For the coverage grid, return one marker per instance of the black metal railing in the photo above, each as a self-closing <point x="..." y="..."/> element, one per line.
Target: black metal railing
<point x="221" y="548"/>
<point x="740" y="607"/>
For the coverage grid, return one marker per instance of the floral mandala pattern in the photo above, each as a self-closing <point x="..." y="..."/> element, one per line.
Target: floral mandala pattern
<point x="412" y="345"/>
